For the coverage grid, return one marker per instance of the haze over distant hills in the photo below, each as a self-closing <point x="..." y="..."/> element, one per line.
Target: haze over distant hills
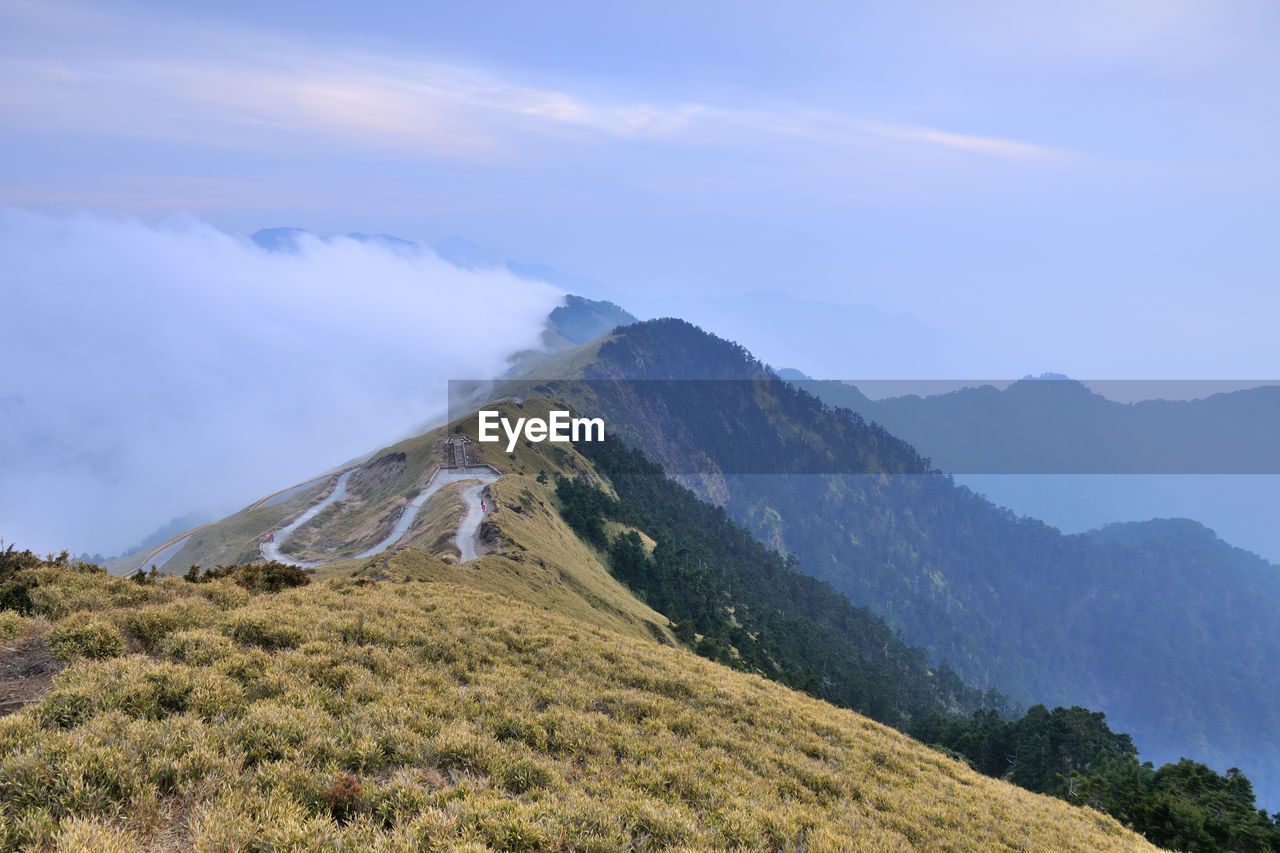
<point x="1078" y="459"/>
<point x="1055" y="425"/>
<point x="469" y="255"/>
<point x="831" y="339"/>
<point x="835" y="339"/>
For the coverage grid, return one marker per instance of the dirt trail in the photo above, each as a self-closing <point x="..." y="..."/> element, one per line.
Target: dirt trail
<point x="26" y="670"/>
<point x="468" y="538"/>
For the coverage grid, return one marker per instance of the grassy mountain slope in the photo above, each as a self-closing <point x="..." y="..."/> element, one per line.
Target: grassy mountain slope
<point x="235" y="539"/>
<point x="537" y="560"/>
<point x="532" y="555"/>
<point x="739" y="603"/>
<point x="352" y="714"/>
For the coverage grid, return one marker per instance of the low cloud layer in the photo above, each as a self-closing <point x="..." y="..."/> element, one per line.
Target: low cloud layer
<point x="154" y="371"/>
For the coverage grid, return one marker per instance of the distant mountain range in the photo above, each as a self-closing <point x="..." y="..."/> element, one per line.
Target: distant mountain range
<point x="1055" y="449"/>
<point x="1054" y="425"/>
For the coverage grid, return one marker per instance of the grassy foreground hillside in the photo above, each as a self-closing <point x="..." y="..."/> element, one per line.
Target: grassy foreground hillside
<point x="361" y="715"/>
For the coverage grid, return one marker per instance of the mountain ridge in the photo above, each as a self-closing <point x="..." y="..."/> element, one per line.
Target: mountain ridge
<point x="943" y="565"/>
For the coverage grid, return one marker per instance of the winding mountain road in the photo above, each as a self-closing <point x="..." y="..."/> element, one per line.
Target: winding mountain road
<point x="271" y="549"/>
<point x="467" y="538"/>
<point x="161" y="554"/>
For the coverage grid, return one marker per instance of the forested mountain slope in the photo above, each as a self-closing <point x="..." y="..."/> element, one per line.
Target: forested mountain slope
<point x="1173" y="645"/>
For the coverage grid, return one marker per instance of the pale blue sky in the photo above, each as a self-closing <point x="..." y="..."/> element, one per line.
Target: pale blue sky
<point x="1088" y="187"/>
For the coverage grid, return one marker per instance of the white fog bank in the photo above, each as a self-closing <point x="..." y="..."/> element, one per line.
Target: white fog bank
<point x="149" y="371"/>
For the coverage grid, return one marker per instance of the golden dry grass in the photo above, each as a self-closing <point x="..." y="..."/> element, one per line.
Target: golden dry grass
<point x="352" y="715"/>
<point x="437" y="523"/>
<point x="540" y="562"/>
<point x="537" y="558"/>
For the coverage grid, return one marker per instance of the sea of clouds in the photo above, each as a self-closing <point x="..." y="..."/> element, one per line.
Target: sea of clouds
<point x="151" y="371"/>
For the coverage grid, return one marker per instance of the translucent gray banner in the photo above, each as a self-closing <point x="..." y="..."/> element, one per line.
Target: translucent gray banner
<point x="1028" y="426"/>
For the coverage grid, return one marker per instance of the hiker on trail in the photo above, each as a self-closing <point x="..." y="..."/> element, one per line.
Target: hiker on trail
<point x="482" y="506"/>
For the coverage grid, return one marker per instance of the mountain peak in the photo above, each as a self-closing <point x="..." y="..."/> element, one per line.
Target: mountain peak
<point x="284" y="239"/>
<point x="1138" y="532"/>
<point x="581" y="319"/>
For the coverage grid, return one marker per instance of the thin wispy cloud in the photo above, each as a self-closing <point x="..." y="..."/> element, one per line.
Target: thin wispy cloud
<point x="988" y="146"/>
<point x="257" y="94"/>
<point x="439" y="109"/>
<point x="838" y="129"/>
